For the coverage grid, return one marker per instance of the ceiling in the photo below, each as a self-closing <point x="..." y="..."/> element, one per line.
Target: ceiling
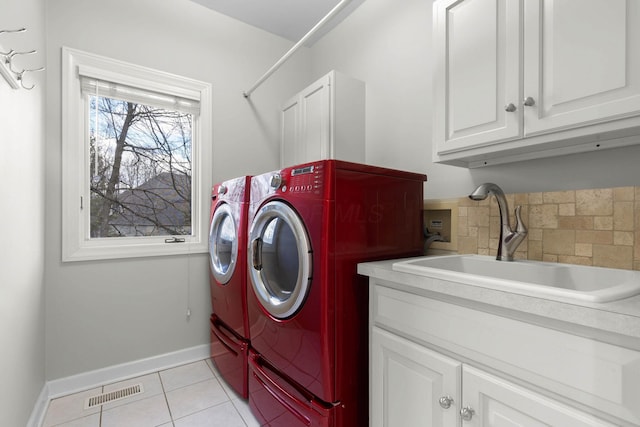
<point x="291" y="19"/>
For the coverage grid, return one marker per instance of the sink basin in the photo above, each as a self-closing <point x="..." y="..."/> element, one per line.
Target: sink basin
<point x="532" y="278"/>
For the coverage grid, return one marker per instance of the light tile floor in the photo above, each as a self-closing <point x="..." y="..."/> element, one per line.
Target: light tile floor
<point x="191" y="395"/>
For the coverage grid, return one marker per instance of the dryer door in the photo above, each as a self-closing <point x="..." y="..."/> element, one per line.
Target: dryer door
<point x="223" y="243"/>
<point x="280" y="259"/>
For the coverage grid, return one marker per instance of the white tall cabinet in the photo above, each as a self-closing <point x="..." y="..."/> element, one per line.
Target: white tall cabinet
<point x="534" y="78"/>
<point x="326" y="120"/>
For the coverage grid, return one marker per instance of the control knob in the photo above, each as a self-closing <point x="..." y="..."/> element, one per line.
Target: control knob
<point x="276" y="181"/>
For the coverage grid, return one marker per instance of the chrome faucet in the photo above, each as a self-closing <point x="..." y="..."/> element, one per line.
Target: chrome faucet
<point x="430" y="238"/>
<point x="509" y="238"/>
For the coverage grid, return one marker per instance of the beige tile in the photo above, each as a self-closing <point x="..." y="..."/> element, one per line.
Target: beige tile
<point x="521" y="199"/>
<point x="621" y="194"/>
<point x="463" y="226"/>
<point x="149" y="412"/>
<point x="577" y="260"/>
<point x="467" y="245"/>
<point x="485" y="251"/>
<point x="520" y="253"/>
<point x="466" y="202"/>
<point x="603" y="223"/>
<point x="567" y="209"/>
<point x="594" y="202"/>
<point x="584" y="250"/>
<point x="463" y="211"/>
<point x="478" y="216"/>
<point x="535" y="198"/>
<point x="534" y="250"/>
<point x="623" y="238"/>
<point x="558" y="242"/>
<point x="494" y="228"/>
<point x="543" y="216"/>
<point x="575" y="222"/>
<point x="493" y="245"/>
<point x="559" y="197"/>
<point x="599" y="237"/>
<point x="636" y="246"/>
<point x="483" y="237"/>
<point x="534" y="234"/>
<point x="550" y="258"/>
<point x="473" y="232"/>
<point x="613" y="256"/>
<point x="623" y="216"/>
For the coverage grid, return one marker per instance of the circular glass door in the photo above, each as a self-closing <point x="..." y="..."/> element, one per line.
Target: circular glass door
<point x="280" y="259"/>
<point x="223" y="244"/>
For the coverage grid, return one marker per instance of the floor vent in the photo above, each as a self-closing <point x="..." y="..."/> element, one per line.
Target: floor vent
<point x="112" y="396"/>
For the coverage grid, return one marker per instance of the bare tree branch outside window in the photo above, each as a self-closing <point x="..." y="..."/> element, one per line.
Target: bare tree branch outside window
<point x="140" y="160"/>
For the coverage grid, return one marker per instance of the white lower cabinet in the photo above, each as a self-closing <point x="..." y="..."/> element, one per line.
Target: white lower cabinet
<point x="434" y="363"/>
<point x="412" y="385"/>
<point x="490" y="401"/>
<point x="408" y="382"/>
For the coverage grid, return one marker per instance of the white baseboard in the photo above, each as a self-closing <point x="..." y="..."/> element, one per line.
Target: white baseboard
<point x="111" y="374"/>
<point x="40" y="408"/>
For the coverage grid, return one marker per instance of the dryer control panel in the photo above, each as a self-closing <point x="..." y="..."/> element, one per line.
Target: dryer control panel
<point x="304" y="179"/>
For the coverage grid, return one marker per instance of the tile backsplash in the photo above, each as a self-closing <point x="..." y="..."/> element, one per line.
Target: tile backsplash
<point x="598" y="227"/>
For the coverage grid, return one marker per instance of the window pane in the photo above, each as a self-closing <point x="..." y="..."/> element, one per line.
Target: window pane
<point x="140" y="169"/>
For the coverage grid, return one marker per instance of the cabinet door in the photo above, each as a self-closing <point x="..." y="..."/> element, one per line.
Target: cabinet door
<point x="477" y="73"/>
<point x="315" y="137"/>
<point x="290" y="133"/>
<point x="407" y="381"/>
<point x="499" y="403"/>
<point x="581" y="62"/>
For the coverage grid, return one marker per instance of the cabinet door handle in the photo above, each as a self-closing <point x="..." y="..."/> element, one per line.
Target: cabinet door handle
<point x="529" y="101"/>
<point x="467" y="413"/>
<point x="445" y="402"/>
<point x="510" y="108"/>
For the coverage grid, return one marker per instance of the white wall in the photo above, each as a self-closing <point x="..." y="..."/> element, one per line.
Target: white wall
<point x="387" y="43"/>
<point x="22" y="219"/>
<point x="105" y="313"/>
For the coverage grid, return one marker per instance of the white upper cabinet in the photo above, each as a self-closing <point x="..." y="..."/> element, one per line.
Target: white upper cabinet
<point x="477" y="52"/>
<point x="521" y="79"/>
<point x="324" y="121"/>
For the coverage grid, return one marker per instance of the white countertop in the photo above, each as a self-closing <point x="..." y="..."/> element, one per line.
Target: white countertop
<point x="616" y="322"/>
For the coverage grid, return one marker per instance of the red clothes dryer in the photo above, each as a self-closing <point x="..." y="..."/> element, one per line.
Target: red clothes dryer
<point x="228" y="280"/>
<point x="308" y="308"/>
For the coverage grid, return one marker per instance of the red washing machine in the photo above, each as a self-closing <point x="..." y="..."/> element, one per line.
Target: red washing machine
<point x="228" y="280"/>
<point x="308" y="308"/>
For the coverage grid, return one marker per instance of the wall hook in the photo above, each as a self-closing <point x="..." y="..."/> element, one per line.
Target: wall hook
<point x="19" y="30"/>
<point x="14" y="77"/>
<point x="19" y="77"/>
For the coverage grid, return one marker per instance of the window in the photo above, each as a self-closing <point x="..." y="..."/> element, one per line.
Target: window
<point x="136" y="160"/>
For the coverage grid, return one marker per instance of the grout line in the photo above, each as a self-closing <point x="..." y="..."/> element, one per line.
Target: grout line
<point x="166" y="400"/>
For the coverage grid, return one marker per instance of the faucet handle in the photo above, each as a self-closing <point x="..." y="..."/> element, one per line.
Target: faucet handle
<point x="520" y="227"/>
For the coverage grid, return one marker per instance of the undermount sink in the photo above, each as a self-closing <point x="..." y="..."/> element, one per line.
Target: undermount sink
<point x="532" y="278"/>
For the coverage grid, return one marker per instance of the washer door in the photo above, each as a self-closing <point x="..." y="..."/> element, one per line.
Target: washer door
<point x="280" y="258"/>
<point x="223" y="244"/>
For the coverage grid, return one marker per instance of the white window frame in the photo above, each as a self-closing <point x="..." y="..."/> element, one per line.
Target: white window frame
<point x="76" y="243"/>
